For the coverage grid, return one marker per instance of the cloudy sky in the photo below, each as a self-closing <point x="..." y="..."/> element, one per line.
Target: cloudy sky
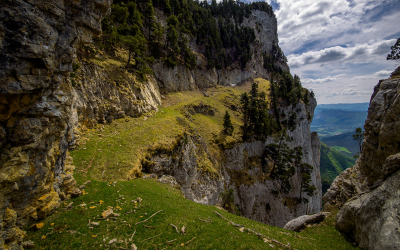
<point x="338" y="47"/>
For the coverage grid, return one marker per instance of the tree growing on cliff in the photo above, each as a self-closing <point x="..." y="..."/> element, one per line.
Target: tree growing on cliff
<point x="257" y="122"/>
<point x="283" y="163"/>
<point x="395" y="53"/>
<point x="359" y="137"/>
<point x="228" y="126"/>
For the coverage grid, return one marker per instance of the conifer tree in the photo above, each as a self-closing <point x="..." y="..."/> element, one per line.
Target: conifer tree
<point x="395" y="53"/>
<point x="228" y="126"/>
<point x="149" y="17"/>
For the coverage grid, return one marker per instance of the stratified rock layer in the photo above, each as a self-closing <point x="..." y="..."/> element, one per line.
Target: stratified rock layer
<point x="38" y="41"/>
<point x="368" y="193"/>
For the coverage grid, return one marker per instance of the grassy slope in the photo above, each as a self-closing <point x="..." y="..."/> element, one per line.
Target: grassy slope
<point x="343" y="140"/>
<point x="111" y="151"/>
<point x="333" y="162"/>
<point x="114" y="152"/>
<point x="176" y="210"/>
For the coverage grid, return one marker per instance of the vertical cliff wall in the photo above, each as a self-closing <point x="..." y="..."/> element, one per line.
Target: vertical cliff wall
<point x="368" y="193"/>
<point x="243" y="169"/>
<point x="38" y="41"/>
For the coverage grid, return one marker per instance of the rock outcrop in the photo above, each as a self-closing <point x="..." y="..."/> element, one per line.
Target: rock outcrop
<point x="105" y="92"/>
<point x="368" y="193"/>
<point x="38" y="41"/>
<point x="242" y="171"/>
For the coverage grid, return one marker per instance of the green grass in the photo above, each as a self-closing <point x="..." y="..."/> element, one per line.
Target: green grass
<point x="114" y="151"/>
<point x="342" y="149"/>
<point x="70" y="230"/>
<point x="333" y="162"/>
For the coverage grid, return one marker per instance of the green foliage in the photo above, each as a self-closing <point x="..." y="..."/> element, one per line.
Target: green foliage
<point x="149" y="18"/>
<point x="228" y="126"/>
<point x="325" y="186"/>
<point x="228" y="202"/>
<point x="257" y="122"/>
<point x="333" y="162"/>
<point x="306" y="97"/>
<point x="359" y="137"/>
<point x="395" y="53"/>
<point x="285" y="162"/>
<point x="277" y="53"/>
<point x="75" y="67"/>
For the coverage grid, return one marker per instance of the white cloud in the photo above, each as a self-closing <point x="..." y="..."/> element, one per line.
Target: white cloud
<point x="310" y="24"/>
<point x="359" y="53"/>
<point x="335" y="46"/>
<point x="381" y="74"/>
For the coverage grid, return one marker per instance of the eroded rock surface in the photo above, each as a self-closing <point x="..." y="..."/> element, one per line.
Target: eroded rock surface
<point x="368" y="193"/>
<point x="241" y="169"/>
<point x="38" y="42"/>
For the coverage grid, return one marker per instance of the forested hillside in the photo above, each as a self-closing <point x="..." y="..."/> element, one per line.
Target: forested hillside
<point x="343" y="143"/>
<point x="167" y="31"/>
<point x="332" y="164"/>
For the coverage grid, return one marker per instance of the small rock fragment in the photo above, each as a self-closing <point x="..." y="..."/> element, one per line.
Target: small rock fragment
<point x="139" y="199"/>
<point x="107" y="213"/>
<point x="28" y="244"/>
<point x="112" y="241"/>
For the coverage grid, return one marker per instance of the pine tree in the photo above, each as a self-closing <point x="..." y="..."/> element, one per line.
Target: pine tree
<point x="149" y="17"/>
<point x="395" y="53"/>
<point x="228" y="126"/>
<point x="359" y="137"/>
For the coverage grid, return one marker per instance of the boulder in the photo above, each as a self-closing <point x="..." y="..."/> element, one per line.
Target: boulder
<point x="302" y="221"/>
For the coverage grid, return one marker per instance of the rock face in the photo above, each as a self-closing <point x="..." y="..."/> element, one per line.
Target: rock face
<point x="368" y="193"/>
<point x="180" y="78"/>
<point x="256" y="199"/>
<point x="104" y="93"/>
<point x="242" y="171"/>
<point x="38" y="41"/>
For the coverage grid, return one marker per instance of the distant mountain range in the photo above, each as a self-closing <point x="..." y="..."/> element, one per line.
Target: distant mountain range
<point x="335" y="119"/>
<point x="335" y="124"/>
<point x="343" y="106"/>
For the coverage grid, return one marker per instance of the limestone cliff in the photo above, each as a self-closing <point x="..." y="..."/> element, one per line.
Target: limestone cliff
<point x="38" y="42"/>
<point x="242" y="171"/>
<point x="180" y="78"/>
<point x="368" y="193"/>
<point x="104" y="92"/>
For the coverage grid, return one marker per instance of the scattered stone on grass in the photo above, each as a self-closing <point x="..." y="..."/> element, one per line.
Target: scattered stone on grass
<point x="28" y="244"/>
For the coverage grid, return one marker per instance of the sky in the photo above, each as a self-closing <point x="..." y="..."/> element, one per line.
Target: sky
<point x="338" y="47"/>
